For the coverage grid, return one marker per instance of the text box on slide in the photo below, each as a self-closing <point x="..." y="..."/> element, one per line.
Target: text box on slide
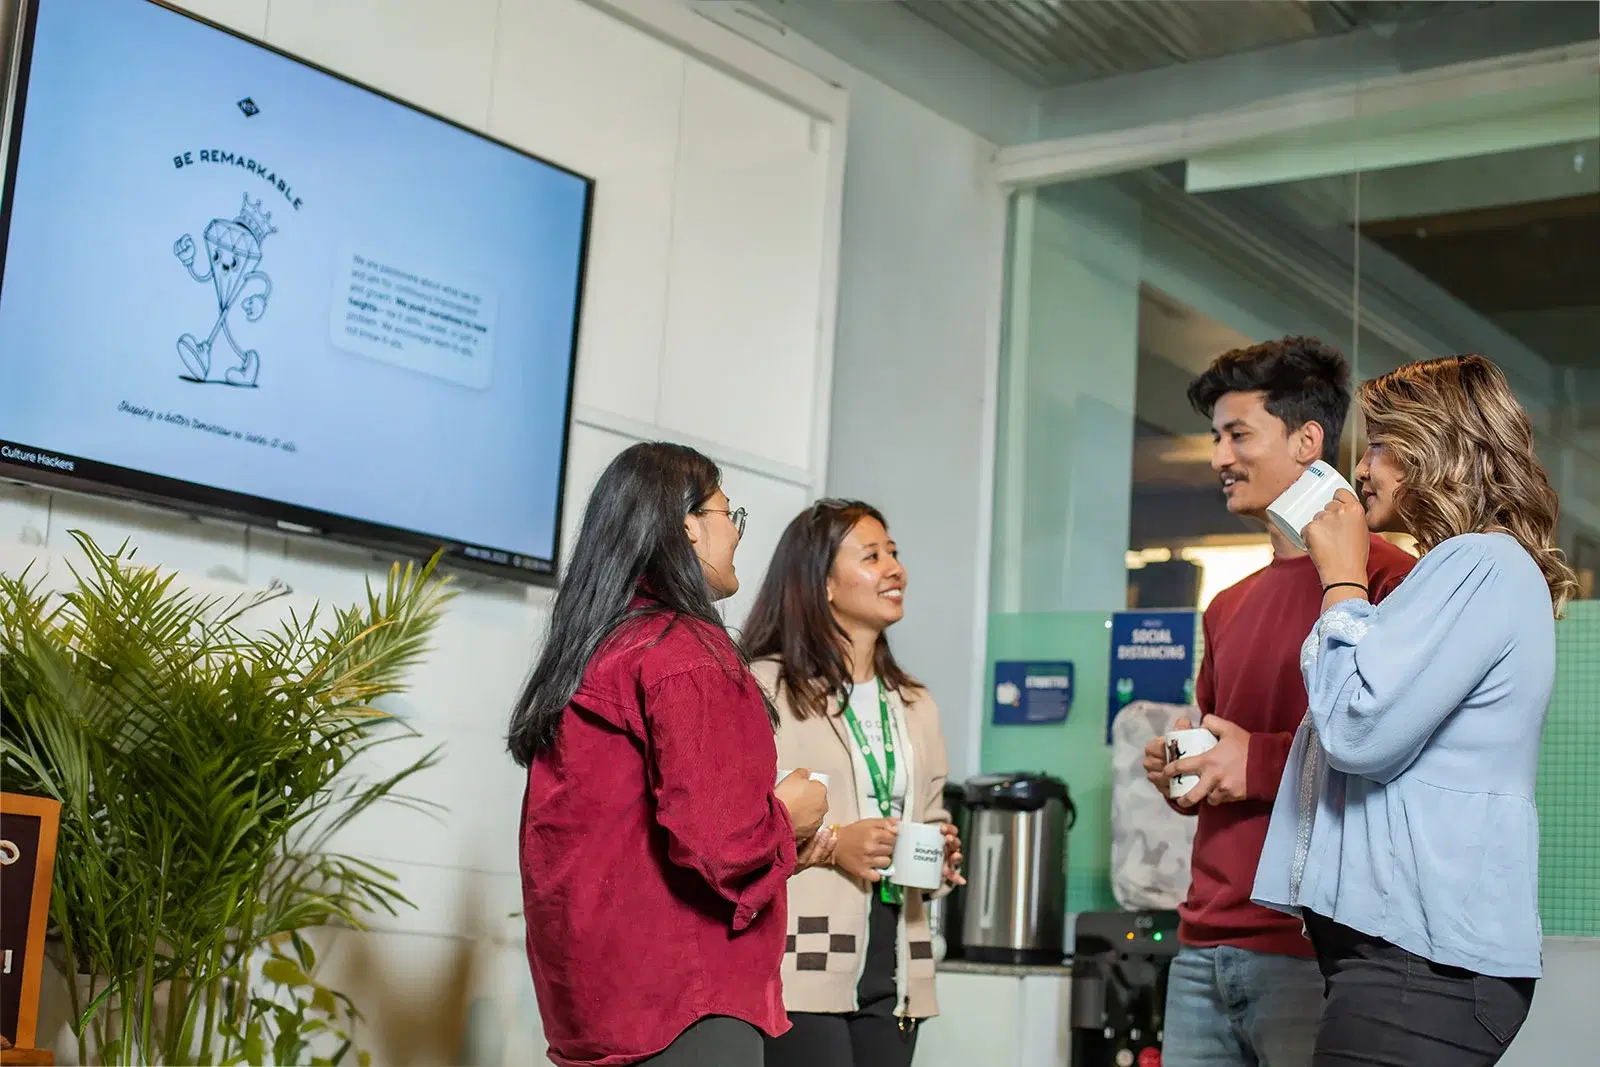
<point x="398" y="312"/>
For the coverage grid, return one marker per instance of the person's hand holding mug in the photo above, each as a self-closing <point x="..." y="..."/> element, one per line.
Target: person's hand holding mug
<point x="1222" y="770"/>
<point x="1155" y="756"/>
<point x="807" y="801"/>
<point x="952" y="854"/>
<point x="863" y="848"/>
<point x="1339" y="543"/>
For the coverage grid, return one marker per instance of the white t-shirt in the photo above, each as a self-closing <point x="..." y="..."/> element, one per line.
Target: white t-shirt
<point x="864" y="702"/>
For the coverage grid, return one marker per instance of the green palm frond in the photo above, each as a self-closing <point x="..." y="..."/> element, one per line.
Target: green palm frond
<point x="205" y="766"/>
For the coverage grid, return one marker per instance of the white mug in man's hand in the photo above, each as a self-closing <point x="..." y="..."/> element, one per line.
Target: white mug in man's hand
<point x="1303" y="501"/>
<point x="1181" y="744"/>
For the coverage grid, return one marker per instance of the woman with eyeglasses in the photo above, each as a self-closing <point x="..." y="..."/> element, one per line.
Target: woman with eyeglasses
<point x="858" y="970"/>
<point x="654" y="849"/>
<point x="1405" y="833"/>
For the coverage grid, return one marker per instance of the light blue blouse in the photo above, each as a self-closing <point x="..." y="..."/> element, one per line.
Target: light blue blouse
<point x="1406" y="807"/>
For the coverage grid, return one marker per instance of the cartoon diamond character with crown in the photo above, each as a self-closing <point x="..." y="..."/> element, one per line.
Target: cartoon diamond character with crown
<point x="233" y="247"/>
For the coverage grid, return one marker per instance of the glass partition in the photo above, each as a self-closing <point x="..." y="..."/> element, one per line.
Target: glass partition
<point x="1465" y="227"/>
<point x="1500" y="254"/>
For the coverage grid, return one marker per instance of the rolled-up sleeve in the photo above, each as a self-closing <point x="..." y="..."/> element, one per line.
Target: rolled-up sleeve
<point x="1380" y="680"/>
<point x="713" y="762"/>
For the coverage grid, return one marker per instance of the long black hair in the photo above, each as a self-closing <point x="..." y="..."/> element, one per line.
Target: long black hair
<point x="632" y="538"/>
<point x="792" y="621"/>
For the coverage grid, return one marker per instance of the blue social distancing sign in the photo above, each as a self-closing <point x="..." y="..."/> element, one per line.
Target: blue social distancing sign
<point x="1152" y="658"/>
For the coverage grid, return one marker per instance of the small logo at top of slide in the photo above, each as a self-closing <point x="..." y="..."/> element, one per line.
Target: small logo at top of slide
<point x="233" y="251"/>
<point x="248" y="106"/>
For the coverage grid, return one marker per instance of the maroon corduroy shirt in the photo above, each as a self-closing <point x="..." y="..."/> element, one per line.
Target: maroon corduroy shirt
<point x="654" y="854"/>
<point x="1250" y="675"/>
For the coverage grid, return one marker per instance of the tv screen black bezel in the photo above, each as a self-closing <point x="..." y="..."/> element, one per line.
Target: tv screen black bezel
<point x="95" y="478"/>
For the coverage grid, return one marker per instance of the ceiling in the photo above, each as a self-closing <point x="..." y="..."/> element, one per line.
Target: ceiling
<point x="1534" y="268"/>
<point x="1514" y="236"/>
<point x="1052" y="43"/>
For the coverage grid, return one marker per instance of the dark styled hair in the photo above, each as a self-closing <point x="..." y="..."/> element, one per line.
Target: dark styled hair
<point x="1464" y="446"/>
<point x="792" y="621"/>
<point x="631" y="541"/>
<point x="1304" y="381"/>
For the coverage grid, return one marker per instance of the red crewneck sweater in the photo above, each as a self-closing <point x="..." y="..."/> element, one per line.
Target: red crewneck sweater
<point x="1250" y="675"/>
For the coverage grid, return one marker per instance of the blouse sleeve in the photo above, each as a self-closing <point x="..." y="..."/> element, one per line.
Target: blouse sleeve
<point x="713" y="766"/>
<point x="1380" y="680"/>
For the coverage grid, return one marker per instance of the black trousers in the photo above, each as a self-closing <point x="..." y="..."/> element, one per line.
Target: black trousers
<point x="868" y="1037"/>
<point x="715" y="1041"/>
<point x="1387" y="1007"/>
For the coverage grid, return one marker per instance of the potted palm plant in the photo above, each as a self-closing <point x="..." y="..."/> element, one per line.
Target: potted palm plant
<point x="205" y="752"/>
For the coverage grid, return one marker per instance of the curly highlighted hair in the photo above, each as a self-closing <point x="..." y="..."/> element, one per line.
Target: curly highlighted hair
<point x="1465" y="448"/>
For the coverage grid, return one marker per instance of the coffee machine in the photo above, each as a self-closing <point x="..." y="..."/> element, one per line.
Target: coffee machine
<point x="1120" y="963"/>
<point x="1016" y="850"/>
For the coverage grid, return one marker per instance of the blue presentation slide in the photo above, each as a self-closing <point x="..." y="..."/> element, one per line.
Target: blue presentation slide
<point x="230" y="269"/>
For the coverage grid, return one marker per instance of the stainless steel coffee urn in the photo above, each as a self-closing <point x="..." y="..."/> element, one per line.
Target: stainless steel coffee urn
<point x="1016" y="867"/>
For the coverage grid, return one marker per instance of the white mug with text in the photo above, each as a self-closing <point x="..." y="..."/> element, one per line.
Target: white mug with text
<point x="918" y="856"/>
<point x="1292" y="512"/>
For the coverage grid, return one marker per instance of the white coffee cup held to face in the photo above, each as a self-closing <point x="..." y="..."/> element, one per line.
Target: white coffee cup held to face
<point x="918" y="856"/>
<point x="1303" y="501"/>
<point x="1181" y="744"/>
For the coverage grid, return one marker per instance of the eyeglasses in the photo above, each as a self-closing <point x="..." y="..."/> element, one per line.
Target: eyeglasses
<point x="736" y="516"/>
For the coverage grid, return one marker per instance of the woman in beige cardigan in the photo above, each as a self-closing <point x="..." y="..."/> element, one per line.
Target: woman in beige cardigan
<point x="858" y="966"/>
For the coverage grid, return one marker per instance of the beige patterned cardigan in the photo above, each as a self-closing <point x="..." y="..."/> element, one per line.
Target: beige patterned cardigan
<point x="827" y="908"/>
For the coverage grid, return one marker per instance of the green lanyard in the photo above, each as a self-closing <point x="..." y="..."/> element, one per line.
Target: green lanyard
<point x="882" y="777"/>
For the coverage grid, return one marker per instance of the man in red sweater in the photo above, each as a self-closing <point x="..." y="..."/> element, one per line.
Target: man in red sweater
<point x="1245" y="990"/>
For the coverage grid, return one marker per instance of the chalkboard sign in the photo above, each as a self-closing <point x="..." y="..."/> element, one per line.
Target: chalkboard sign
<point x="27" y="863"/>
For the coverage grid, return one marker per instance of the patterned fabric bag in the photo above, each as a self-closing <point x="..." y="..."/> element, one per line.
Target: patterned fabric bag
<point x="1150" y="843"/>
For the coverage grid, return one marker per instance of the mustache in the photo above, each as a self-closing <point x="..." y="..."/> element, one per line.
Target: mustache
<point x="1230" y="472"/>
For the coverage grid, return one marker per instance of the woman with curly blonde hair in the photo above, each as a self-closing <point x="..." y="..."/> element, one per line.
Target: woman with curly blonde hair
<point x="1404" y="832"/>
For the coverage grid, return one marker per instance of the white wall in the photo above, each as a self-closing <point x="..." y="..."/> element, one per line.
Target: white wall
<point x="915" y="360"/>
<point x="708" y="319"/>
<point x="912" y="385"/>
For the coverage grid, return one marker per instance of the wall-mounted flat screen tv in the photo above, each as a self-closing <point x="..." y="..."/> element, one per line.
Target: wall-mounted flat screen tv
<point x="239" y="285"/>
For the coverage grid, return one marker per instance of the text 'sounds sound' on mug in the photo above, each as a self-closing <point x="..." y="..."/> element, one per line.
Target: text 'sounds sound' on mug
<point x="918" y="856"/>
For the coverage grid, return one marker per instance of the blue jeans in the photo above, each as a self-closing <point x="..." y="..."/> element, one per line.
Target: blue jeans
<point x="1231" y="1007"/>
